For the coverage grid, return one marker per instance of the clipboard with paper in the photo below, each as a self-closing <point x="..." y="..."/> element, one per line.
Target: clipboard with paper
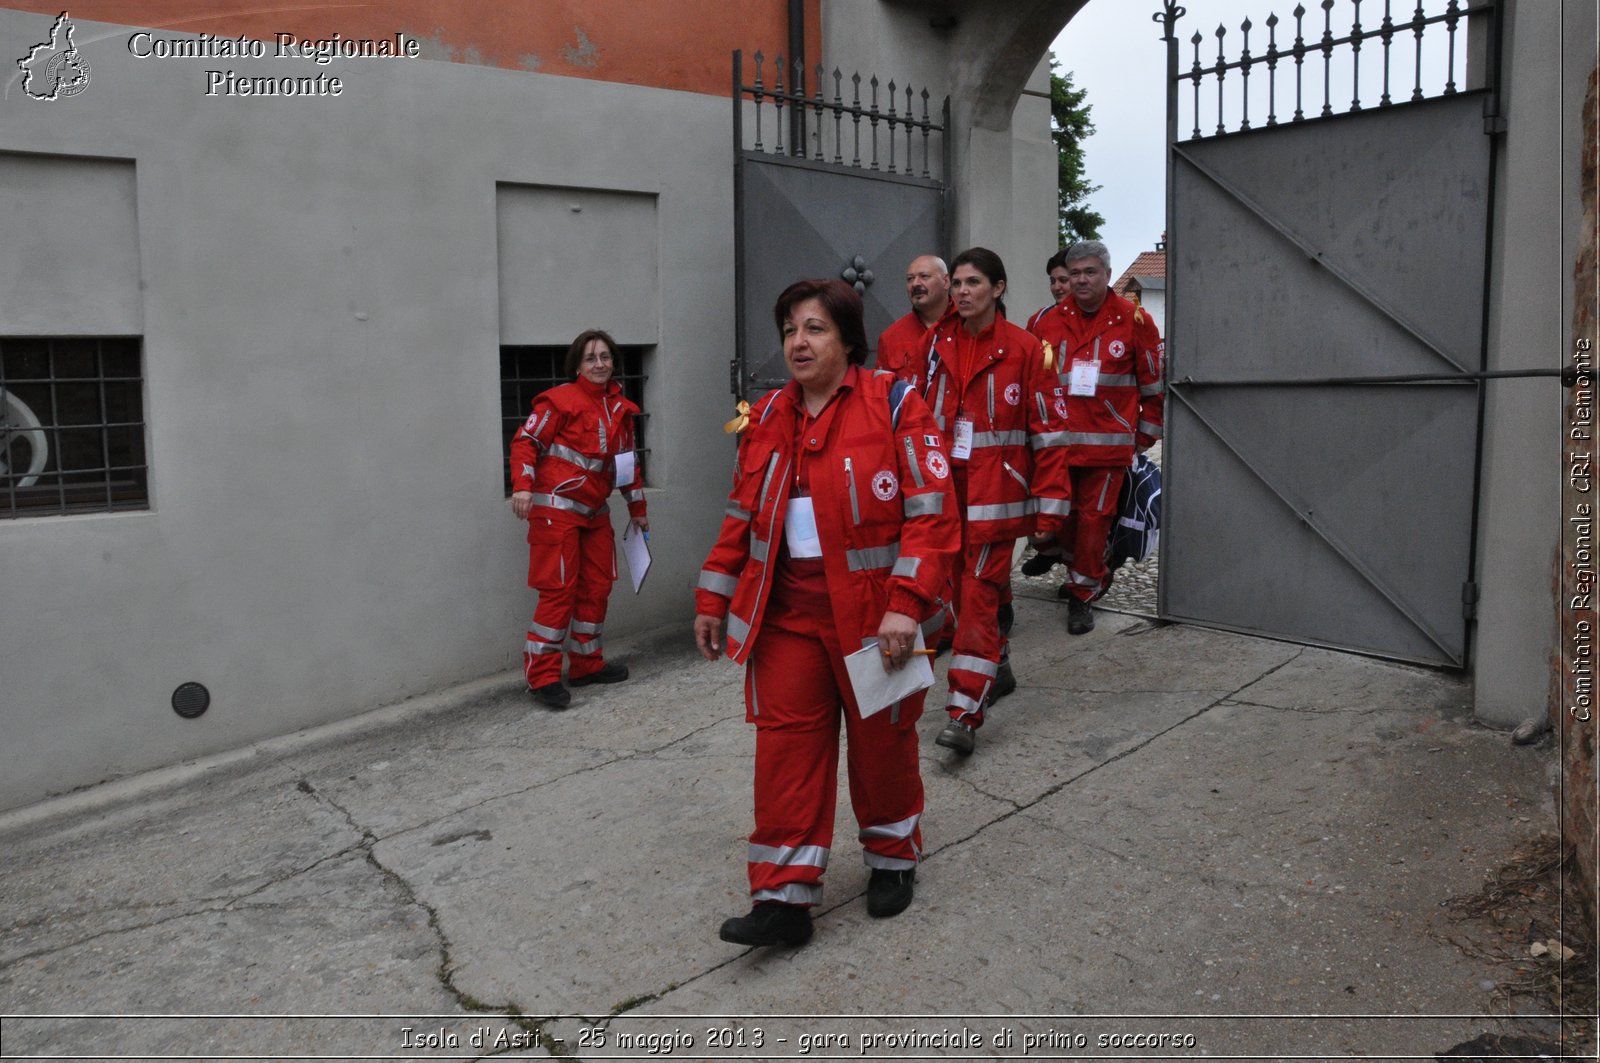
<point x="636" y="551"/>
<point x="876" y="688"/>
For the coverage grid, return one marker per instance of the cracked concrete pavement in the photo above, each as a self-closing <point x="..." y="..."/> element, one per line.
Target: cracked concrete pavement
<point x="1234" y="840"/>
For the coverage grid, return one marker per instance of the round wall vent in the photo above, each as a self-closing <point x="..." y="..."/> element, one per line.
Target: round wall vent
<point x="190" y="700"/>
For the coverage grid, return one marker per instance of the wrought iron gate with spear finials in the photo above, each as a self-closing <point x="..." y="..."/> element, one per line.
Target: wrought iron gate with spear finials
<point x="1327" y="278"/>
<point x="858" y="192"/>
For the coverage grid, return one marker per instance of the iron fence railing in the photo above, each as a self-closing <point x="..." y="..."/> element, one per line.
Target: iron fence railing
<point x="867" y="132"/>
<point x="1334" y="61"/>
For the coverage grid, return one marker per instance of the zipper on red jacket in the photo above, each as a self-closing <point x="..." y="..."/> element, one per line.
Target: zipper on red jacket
<point x="850" y="482"/>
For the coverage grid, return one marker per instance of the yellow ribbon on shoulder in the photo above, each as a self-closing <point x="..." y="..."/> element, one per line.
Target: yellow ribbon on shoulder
<point x="1049" y="355"/>
<point x="741" y="422"/>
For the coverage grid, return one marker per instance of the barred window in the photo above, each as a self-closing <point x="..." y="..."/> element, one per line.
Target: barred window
<point x="72" y="436"/>
<point x="526" y="371"/>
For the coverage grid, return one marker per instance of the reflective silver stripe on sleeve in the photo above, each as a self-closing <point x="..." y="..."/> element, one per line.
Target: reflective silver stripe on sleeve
<point x="1004" y="511"/>
<point x="581" y="627"/>
<point x="560" y="502"/>
<point x="567" y="454"/>
<point x="1116" y="380"/>
<point x="923" y="505"/>
<point x="793" y="893"/>
<point x="736" y="513"/>
<point x="900" y="829"/>
<point x="549" y="634"/>
<point x="1041" y="440"/>
<point x="1152" y="389"/>
<point x="907" y="567"/>
<point x="931" y="626"/>
<point x="974" y="664"/>
<point x="911" y="460"/>
<point x="872" y="557"/>
<point x="789" y="855"/>
<point x="527" y="470"/>
<point x="758" y="549"/>
<point x="1055" y="507"/>
<point x="1015" y="438"/>
<point x="1100" y="439"/>
<point x="737" y="628"/>
<point x="635" y="494"/>
<point x="1153" y="430"/>
<point x="718" y="582"/>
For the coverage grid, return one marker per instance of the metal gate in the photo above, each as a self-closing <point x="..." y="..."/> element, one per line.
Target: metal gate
<point x="851" y="187"/>
<point x="1327" y="279"/>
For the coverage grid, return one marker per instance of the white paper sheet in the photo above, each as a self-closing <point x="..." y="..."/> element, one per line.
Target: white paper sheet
<point x="876" y="688"/>
<point x="636" y="550"/>
<point x="625" y="468"/>
<point x="800" y="528"/>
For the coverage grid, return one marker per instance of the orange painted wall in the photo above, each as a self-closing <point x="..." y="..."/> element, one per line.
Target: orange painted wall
<point x="670" y="44"/>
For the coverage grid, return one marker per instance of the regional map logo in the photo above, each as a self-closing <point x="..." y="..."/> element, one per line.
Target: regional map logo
<point x="55" y="68"/>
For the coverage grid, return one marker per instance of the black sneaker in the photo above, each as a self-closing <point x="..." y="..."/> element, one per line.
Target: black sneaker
<point x="1080" y="616"/>
<point x="608" y="673"/>
<point x="1039" y="564"/>
<point x="889" y="892"/>
<point x="769" y="923"/>
<point x="553" y="695"/>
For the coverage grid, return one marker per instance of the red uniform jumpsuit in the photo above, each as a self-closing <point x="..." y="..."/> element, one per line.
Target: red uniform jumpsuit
<point x="1102" y="428"/>
<point x="566" y="455"/>
<point x="903" y="346"/>
<point x="879" y="485"/>
<point x="1014" y="481"/>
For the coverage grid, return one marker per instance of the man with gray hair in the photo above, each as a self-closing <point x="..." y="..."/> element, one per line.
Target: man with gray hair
<point x="1108" y="360"/>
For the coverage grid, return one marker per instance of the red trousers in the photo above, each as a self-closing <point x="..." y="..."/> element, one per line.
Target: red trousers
<point x="795" y="691"/>
<point x="1082" y="540"/>
<point x="982" y="583"/>
<point x="572" y="562"/>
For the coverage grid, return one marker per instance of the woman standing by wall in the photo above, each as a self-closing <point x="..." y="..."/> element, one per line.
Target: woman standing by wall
<point x="574" y="448"/>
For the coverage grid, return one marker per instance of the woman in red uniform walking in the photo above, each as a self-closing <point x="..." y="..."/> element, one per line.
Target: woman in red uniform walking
<point x="837" y="537"/>
<point x="992" y="392"/>
<point x="575" y="447"/>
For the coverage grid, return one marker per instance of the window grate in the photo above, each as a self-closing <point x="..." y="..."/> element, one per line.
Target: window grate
<point x="528" y="371"/>
<point x="72" y="429"/>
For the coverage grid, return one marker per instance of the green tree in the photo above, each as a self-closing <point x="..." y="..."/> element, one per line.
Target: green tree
<point x="1070" y="126"/>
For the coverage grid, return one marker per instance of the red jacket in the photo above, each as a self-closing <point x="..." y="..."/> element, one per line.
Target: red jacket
<point x="1126" y="407"/>
<point x="565" y="453"/>
<point x="1017" y="478"/>
<point x="903" y="346"/>
<point x="885" y="513"/>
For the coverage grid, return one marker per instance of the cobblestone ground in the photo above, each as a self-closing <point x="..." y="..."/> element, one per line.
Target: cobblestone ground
<point x="1133" y="590"/>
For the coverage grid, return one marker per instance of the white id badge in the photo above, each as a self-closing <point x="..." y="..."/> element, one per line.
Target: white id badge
<point x="800" y="528"/>
<point x="961" y="443"/>
<point x="1085" y="375"/>
<point x="624" y="468"/>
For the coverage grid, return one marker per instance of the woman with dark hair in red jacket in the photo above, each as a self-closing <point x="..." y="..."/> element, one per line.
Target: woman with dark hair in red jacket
<point x="565" y="461"/>
<point x="836" y="538"/>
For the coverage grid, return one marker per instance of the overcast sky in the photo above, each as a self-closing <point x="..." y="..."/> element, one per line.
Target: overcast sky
<point x="1114" y="50"/>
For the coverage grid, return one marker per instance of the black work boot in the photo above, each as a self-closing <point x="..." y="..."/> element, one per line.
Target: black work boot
<point x="769" y="923"/>
<point x="889" y="892"/>
<point x="552" y="695"/>
<point x="608" y="673"/>
<point x="1080" y="616"/>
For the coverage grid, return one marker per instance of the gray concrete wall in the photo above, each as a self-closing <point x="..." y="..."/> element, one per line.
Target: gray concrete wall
<point x="322" y="286"/>
<point x="321" y="291"/>
<point x="1531" y="297"/>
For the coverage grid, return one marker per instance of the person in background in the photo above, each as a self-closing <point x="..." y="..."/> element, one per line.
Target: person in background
<point x="565" y="461"/>
<point x="1109" y="358"/>
<point x="991" y="393"/>
<point x="837" y="536"/>
<point x="903" y="346"/>
<point x="1055" y="268"/>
